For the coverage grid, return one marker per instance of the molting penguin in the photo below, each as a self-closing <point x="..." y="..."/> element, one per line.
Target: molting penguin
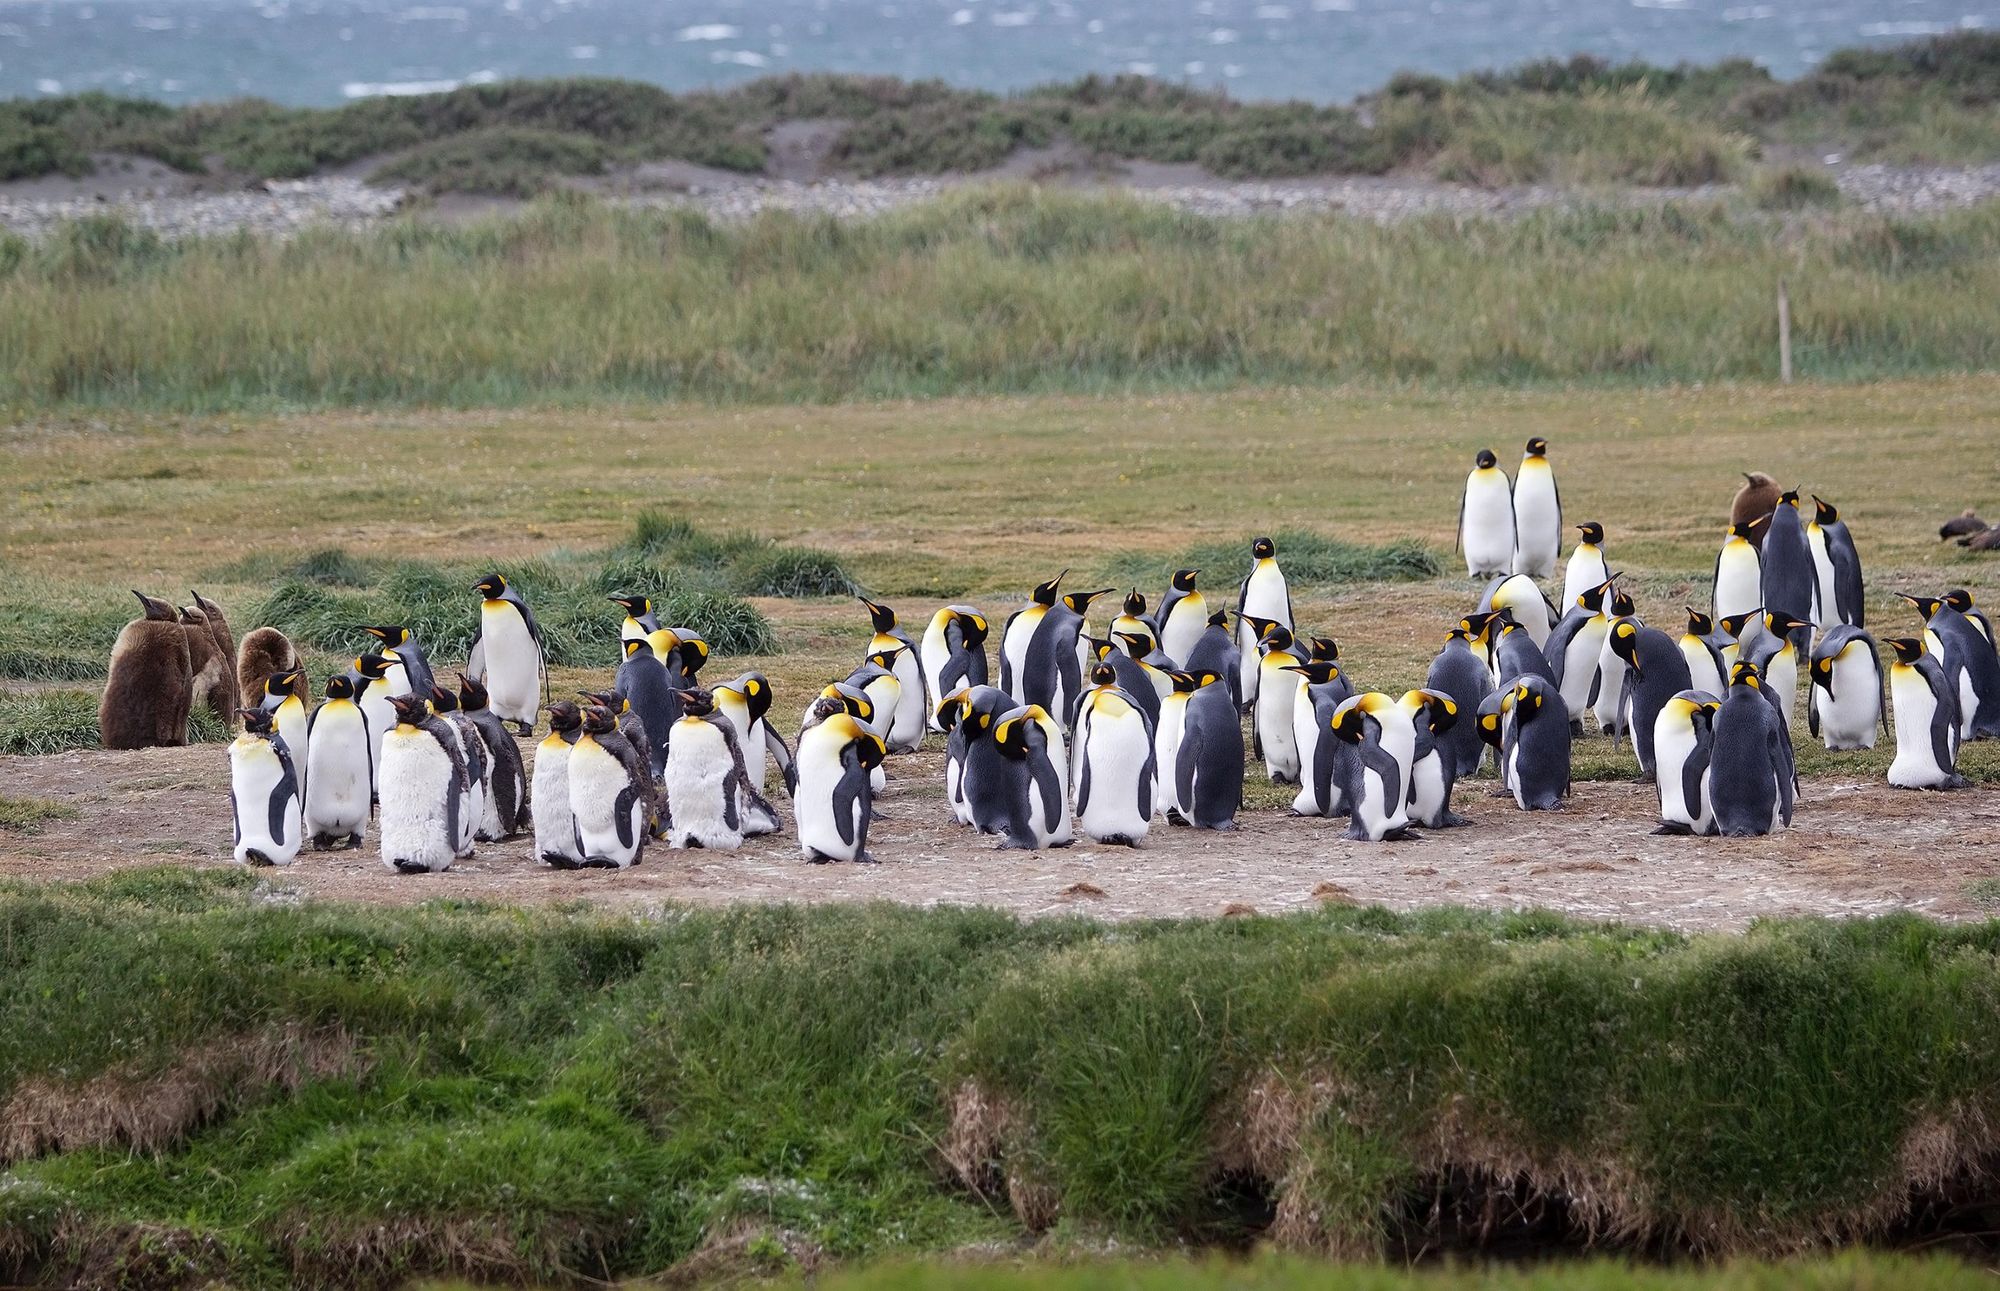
<point x="1836" y="567"/>
<point x="608" y="794"/>
<point x="1382" y="733"/>
<point x="1586" y="567"/>
<point x="1183" y="616"/>
<point x="478" y="770"/>
<point x="225" y="645"/>
<point x="1683" y="735"/>
<point x="1654" y="673"/>
<point x="265" y="651"/>
<point x="913" y="706"/>
<point x="1208" y="766"/>
<point x="507" y="811"/>
<point x="1927" y="728"/>
<point x="263" y="792"/>
<point x="1459" y="673"/>
<point x="633" y="728"/>
<point x="834" y="802"/>
<point x="1115" y="772"/>
<point x="424" y="821"/>
<point x="1846" y="696"/>
<point x="1486" y="519"/>
<point x="555" y="824"/>
<point x="399" y="644"/>
<point x="507" y="654"/>
<point x="149" y="688"/>
<point x="710" y="800"/>
<point x="953" y="654"/>
<point x="1750" y="776"/>
<point x="1971" y="667"/>
<point x="1537" y="747"/>
<point x="1263" y="595"/>
<point x="1739" y="574"/>
<point x="1538" y="513"/>
<point x="340" y="774"/>
<point x="1032" y="776"/>
<point x="211" y="673"/>
<point x="1323" y="760"/>
<point x="1433" y="763"/>
<point x="1701" y="647"/>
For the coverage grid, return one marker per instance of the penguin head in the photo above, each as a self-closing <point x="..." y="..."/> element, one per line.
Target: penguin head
<point x="1184" y="682"/>
<point x="869" y="750"/>
<point x="1527" y="700"/>
<point x="1821" y="671"/>
<point x="156" y="610"/>
<point x="1748" y="528"/>
<point x="1205" y="679"/>
<point x="1824" y="512"/>
<point x="1104" y="675"/>
<point x="1045" y="593"/>
<point x="1264" y="549"/>
<point x="1276" y="637"/>
<point x="850" y="698"/>
<point x="599" y="720"/>
<point x="1184" y="579"/>
<point x="1479" y="625"/>
<point x="1625" y="644"/>
<point x="193" y="617"/>
<point x="1260" y="628"/>
<point x="756" y="691"/>
<point x="1324" y="648"/>
<point x="1783" y="624"/>
<point x="1489" y="728"/>
<point x="1592" y="598"/>
<point x="1537" y="447"/>
<point x="444" y="701"/>
<point x="1317" y="672"/>
<point x="1926" y="605"/>
<point x="492" y="587"/>
<point x="1135" y="603"/>
<point x="564" y="717"/>
<point x="372" y="666"/>
<point x="1100" y="649"/>
<point x="1959" y="599"/>
<point x="393" y="635"/>
<point x="1137" y="644"/>
<point x="1908" y="649"/>
<point x="697" y="702"/>
<point x="973" y="627"/>
<point x="1348" y="722"/>
<point x="1011" y="731"/>
<point x="411" y="710"/>
<point x="1459" y="632"/>
<point x="1699" y="624"/>
<point x="1485" y="460"/>
<point x="881" y="617"/>
<point x="885" y="659"/>
<point x="609" y="700"/>
<point x="1593" y="532"/>
<point x="1079" y="602"/>
<point x="634" y="606"/>
<point x="257" y="721"/>
<point x="1735" y="624"/>
<point x="1219" y="619"/>
<point x="692" y="652"/>
<point x="951" y="709"/>
<point x="1790" y="498"/>
<point x="1748" y="674"/>
<point x="284" y="683"/>
<point x="1622" y="603"/>
<point x="337" y="687"/>
<point x="1439" y="709"/>
<point x="471" y="694"/>
<point x="638" y="648"/>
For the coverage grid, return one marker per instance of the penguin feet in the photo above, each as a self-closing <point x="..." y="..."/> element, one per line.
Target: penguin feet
<point x="557" y="861"/>
<point x="599" y="863"/>
<point x="1118" y="840"/>
<point x="254" y="857"/>
<point x="1452" y="820"/>
<point x="867" y="858"/>
<point x="1014" y="845"/>
<point x="410" y="867"/>
<point x="1279" y="777"/>
<point x="817" y="858"/>
<point x="525" y="730"/>
<point x="353" y="843"/>
<point x="1576" y="728"/>
<point x="1175" y="818"/>
<point x="1067" y="842"/>
<point x="1403" y="835"/>
<point x="324" y="842"/>
<point x="1674" y="828"/>
<point x="1220" y="826"/>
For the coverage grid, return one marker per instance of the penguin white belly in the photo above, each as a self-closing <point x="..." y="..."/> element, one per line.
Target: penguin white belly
<point x="1915" y="708"/>
<point x="933" y="654"/>
<point x="395" y="680"/>
<point x="1673" y="745"/>
<point x="1166" y="750"/>
<point x="513" y="663"/>
<point x="1486" y="531"/>
<point x="293" y="725"/>
<point x="697" y="775"/>
<point x="381" y="719"/>
<point x="1781" y="675"/>
<point x="1014" y="650"/>
<point x="266" y="803"/>
<point x="1968" y="703"/>
<point x="1371" y="809"/>
<point x="1584" y="571"/>
<point x="1305" y="739"/>
<point x="1826" y="601"/>
<point x="1187" y="619"/>
<point x="555" y="823"/>
<point x="1537" y="520"/>
<point x="1427" y="797"/>
<point x="1511" y="778"/>
<point x="906" y="722"/>
<point x="1580" y="662"/>
<point x="1739" y="581"/>
<point x="954" y="790"/>
<point x="1062" y="829"/>
<point x="1610" y="706"/>
<point x="1276" y="700"/>
<point x="1702" y="672"/>
<point x="418" y="787"/>
<point x="1114" y="753"/>
<point x="610" y="816"/>
<point x="337" y="774"/>
<point x="1266" y="596"/>
<point x="1848" y="720"/>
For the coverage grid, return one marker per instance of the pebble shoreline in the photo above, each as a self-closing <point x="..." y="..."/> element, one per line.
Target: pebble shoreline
<point x="284" y="208"/>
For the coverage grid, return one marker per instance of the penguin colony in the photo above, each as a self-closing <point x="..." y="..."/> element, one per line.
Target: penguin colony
<point x="1106" y="734"/>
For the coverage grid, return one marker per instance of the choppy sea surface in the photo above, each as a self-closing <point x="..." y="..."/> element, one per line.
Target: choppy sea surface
<point x="326" y="51"/>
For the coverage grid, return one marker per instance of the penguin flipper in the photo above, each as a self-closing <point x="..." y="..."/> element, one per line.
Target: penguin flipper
<point x="853" y="785"/>
<point x="1083" y="786"/>
<point x="621" y="813"/>
<point x="781" y="752"/>
<point x="475" y="659"/>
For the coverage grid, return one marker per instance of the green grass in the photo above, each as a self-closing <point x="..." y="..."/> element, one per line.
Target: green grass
<point x="25" y="815"/>
<point x="371" y="1094"/>
<point x="1310" y="560"/>
<point x="55" y="721"/>
<point x="990" y="290"/>
<point x="503" y="162"/>
<point x="1794" y="188"/>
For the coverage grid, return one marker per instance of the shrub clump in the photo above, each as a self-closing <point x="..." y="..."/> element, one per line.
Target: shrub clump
<point x="1794" y="188"/>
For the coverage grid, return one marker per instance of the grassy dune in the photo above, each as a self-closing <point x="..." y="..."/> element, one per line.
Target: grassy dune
<point x="991" y="290"/>
<point x="334" y="1097"/>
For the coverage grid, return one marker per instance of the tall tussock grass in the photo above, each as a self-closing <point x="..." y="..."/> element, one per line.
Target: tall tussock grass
<point x="990" y="290"/>
<point x="529" y="1094"/>
<point x="1308" y="559"/>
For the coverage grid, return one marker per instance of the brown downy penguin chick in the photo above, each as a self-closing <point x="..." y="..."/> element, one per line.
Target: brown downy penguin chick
<point x="213" y="672"/>
<point x="265" y="653"/>
<point x="225" y="645"/>
<point x="1963" y="525"/>
<point x="1756" y="498"/>
<point x="150" y="686"/>
<point x="1984" y="540"/>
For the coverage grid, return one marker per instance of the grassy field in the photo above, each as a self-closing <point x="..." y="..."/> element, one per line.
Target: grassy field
<point x="1575" y="121"/>
<point x="991" y="290"/>
<point x="202" y="1080"/>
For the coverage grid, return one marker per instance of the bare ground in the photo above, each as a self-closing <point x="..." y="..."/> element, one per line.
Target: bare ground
<point x="1856" y="849"/>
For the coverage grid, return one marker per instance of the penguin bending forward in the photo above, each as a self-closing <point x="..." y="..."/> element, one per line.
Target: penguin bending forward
<point x="833" y="801"/>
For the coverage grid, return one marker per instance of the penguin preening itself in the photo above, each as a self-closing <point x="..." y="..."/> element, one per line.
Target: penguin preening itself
<point x="1587" y="567"/>
<point x="1536" y="750"/>
<point x="263" y="652"/>
<point x="1486" y="519"/>
<point x="1927" y="727"/>
<point x="149" y="687"/>
<point x="971" y="775"/>
<point x="1382" y="733"/>
<point x="508" y="814"/>
<point x="1750" y="773"/>
<point x="507" y="655"/>
<point x="1433" y="763"/>
<point x="555" y="824"/>
<point x="609" y="795"/>
<point x="340" y="771"/>
<point x="212" y="673"/>
<point x="400" y="645"/>
<point x="1459" y="673"/>
<point x="834" y="802"/>
<point x="1538" y="513"/>
<point x="1032" y="776"/>
<point x="1756" y="498"/>
<point x="263" y="793"/>
<point x="953" y="654"/>
<point x="424" y="823"/>
<point x="1115" y="772"/>
<point x="1836" y="567"/>
<point x="1183" y="616"/>
<point x="1264" y="596"/>
<point x="1846" y="695"/>
<point x="1683" y="737"/>
<point x="1776" y="654"/>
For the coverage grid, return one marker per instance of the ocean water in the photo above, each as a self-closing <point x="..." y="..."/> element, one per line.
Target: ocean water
<point x="325" y="51"/>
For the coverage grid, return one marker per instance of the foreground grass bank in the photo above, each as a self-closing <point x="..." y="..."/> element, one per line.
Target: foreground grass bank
<point x="328" y="1096"/>
<point x="991" y="290"/>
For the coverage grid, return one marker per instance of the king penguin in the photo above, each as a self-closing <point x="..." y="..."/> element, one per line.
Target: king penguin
<point x="1383" y="734"/>
<point x="404" y="648"/>
<point x="1030" y="745"/>
<point x="1115" y="773"/>
<point x="1573" y="650"/>
<point x="913" y="705"/>
<point x="1750" y="776"/>
<point x="555" y="824"/>
<point x="1183" y="616"/>
<point x="507" y="654"/>
<point x="1587" y="567"/>
<point x="710" y="801"/>
<point x="1275" y="692"/>
<point x="1790" y="584"/>
<point x="1654" y="673"/>
<point x="608" y="794"/>
<point x="639" y="622"/>
<point x="1538" y="513"/>
<point x="953" y="654"/>
<point x="1846" y="694"/>
<point x="149" y="688"/>
<point x="507" y="806"/>
<point x="1457" y="672"/>
<point x="1323" y="759"/>
<point x="263" y="793"/>
<point x="1208" y="767"/>
<point x="425" y="821"/>
<point x="1433" y="763"/>
<point x="1971" y="667"/>
<point x="1263" y="595"/>
<point x="1486" y="519"/>
<point x="1701" y="646"/>
<point x="1739" y="574"/>
<point x="340" y="772"/>
<point x="1927" y="730"/>
<point x="834" y="802"/>
<point x="1683" y="735"/>
<point x="1536" y="750"/>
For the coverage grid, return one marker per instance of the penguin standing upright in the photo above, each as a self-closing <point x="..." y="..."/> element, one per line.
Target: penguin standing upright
<point x="1573" y="649"/>
<point x="746" y="704"/>
<point x="1538" y="513"/>
<point x="1536" y="755"/>
<point x="1486" y="519"/>
<point x="1610" y="706"/>
<point x="340" y="774"/>
<point x="211" y="673"/>
<point x="609" y="794"/>
<point x="1183" y="616"/>
<point x="508" y="796"/>
<point x="1971" y="667"/>
<point x="485" y="823"/>
<point x="400" y="644"/>
<point x="288" y="713"/>
<point x="1038" y="656"/>
<point x="1215" y="651"/>
<point x="1133" y="620"/>
<point x="833" y="802"/>
<point x="1790" y="585"/>
<point x="1654" y="673"/>
<point x="1323" y="760"/>
<point x="149" y="687"/>
<point x="953" y="655"/>
<point x="1756" y="498"/>
<point x="263" y="793"/>
<point x="507" y="654"/>
<point x="1961" y="600"/>
<point x="1846" y="693"/>
<point x="1739" y="574"/>
<point x="1275" y="695"/>
<point x="1033" y="778"/>
<point x="377" y="705"/>
<point x="1115" y="774"/>
<point x="653" y="694"/>
<point x="639" y="622"/>
<point x="1167" y="745"/>
<point x="1750" y="776"/>
<point x="1263" y="595"/>
<point x="1433" y="763"/>
<point x="1701" y="648"/>
<point x="710" y="800"/>
<point x="1525" y="604"/>
<point x="424" y="819"/>
<point x="913" y="705"/>
<point x="1683" y="735"/>
<point x="1020" y="630"/>
<point x="1459" y="674"/>
<point x="1383" y="734"/>
<point x="1927" y="726"/>
<point x="555" y="824"/>
<point x="1586" y="567"/>
<point x="1208" y="766"/>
